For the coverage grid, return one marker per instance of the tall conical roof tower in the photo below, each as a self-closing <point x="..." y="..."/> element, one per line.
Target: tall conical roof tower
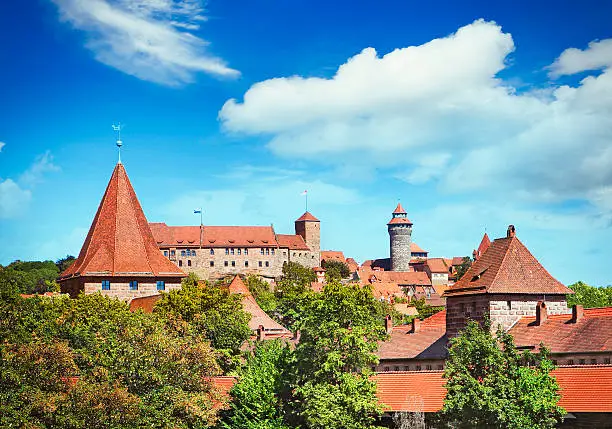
<point x="400" y="233"/>
<point x="120" y="256"/>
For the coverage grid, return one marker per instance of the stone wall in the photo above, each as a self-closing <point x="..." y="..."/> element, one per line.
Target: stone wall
<point x="119" y="287"/>
<point x="502" y="309"/>
<point x="311" y="233"/>
<point x="399" y="241"/>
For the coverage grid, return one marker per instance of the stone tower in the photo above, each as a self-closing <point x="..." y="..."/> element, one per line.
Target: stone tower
<point x="400" y="232"/>
<point x="309" y="227"/>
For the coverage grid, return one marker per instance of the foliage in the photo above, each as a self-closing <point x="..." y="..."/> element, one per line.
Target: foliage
<point x="62" y="264"/>
<point x="590" y="296"/>
<point x="293" y="292"/>
<point x="335" y="270"/>
<point x="425" y="310"/>
<point x="491" y="385"/>
<point x="211" y="309"/>
<point x="260" y="289"/>
<point x="256" y="403"/>
<point x="90" y="362"/>
<point x="30" y="276"/>
<point x="465" y="265"/>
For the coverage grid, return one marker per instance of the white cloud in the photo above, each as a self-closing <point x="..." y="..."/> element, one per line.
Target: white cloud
<point x="152" y="40"/>
<point x="1" y="145"/>
<point x="439" y="111"/>
<point x="597" y="56"/>
<point x="13" y="199"/>
<point x="15" y="196"/>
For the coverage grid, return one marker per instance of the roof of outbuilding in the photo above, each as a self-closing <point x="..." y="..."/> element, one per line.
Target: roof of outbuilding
<point x="507" y="266"/>
<point x="292" y="242"/>
<point x="437" y="265"/>
<point x="119" y="241"/>
<point x="591" y="333"/>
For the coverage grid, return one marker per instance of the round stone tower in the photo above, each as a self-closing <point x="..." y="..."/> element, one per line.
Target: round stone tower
<point x="400" y="232"/>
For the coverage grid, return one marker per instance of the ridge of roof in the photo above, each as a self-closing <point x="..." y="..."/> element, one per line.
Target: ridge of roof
<point x="119" y="241"/>
<point x="307" y="217"/>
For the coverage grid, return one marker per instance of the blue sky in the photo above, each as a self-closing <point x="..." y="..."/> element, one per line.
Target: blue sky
<point x="474" y="114"/>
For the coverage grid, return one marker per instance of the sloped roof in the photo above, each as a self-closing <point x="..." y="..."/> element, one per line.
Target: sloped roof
<point x="120" y="242"/>
<point x="332" y="255"/>
<point x="429" y="342"/>
<point x="483" y="246"/>
<point x="591" y="333"/>
<point x="399" y="221"/>
<point x="307" y="216"/>
<point x="415" y="248"/>
<point x="386" y="290"/>
<point x="292" y="242"/>
<point x="258" y="316"/>
<point x="583" y="389"/>
<point x="406" y="278"/>
<point x="213" y="236"/>
<point x="437" y="265"/>
<point x="507" y="267"/>
<point x="399" y="209"/>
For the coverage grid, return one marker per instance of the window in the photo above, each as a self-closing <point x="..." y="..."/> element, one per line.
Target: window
<point x="386" y="369"/>
<point x="232" y="251"/>
<point x="165" y="253"/>
<point x="607" y="361"/>
<point x="226" y="251"/>
<point x="284" y="253"/>
<point x="172" y="253"/>
<point x="263" y="252"/>
<point x="133" y="285"/>
<point x="418" y="367"/>
<point x="406" y="368"/>
<point x="233" y="263"/>
<point x="260" y="263"/>
<point x="183" y="253"/>
<point x="180" y="263"/>
<point x="593" y="361"/>
<point x="509" y="305"/>
<point x="267" y="264"/>
<point x="193" y="253"/>
<point x="188" y="252"/>
<point x="570" y="361"/>
<point x="294" y="254"/>
<point x="161" y="285"/>
<point x="554" y="361"/>
<point x="239" y="251"/>
<point x="428" y="367"/>
<point x="225" y="263"/>
<point x="396" y="368"/>
<point x="212" y="251"/>
<point x="246" y="251"/>
<point x="440" y="366"/>
<point x="246" y="263"/>
<point x="189" y="262"/>
<point x="267" y="251"/>
<point x="212" y="263"/>
<point x="581" y="361"/>
<point x="273" y="251"/>
<point x="105" y="284"/>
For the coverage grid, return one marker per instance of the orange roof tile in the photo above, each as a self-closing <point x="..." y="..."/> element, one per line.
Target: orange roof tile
<point x="332" y="255"/>
<point x="399" y="209"/>
<point x="399" y="220"/>
<point x="214" y="236"/>
<point x="507" y="267"/>
<point x="120" y="242"/>
<point x="483" y="246"/>
<point x="415" y="248"/>
<point x="308" y="217"/>
<point x="386" y="290"/>
<point x="429" y="342"/>
<point x="583" y="389"/>
<point x="292" y="242"/>
<point x="591" y="333"/>
<point x="407" y="278"/>
<point x="437" y="265"/>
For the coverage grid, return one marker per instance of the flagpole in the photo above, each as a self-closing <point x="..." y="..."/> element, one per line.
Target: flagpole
<point x="201" y="228"/>
<point x="306" y="201"/>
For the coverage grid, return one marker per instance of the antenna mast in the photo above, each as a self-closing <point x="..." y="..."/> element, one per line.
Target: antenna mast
<point x="119" y="143"/>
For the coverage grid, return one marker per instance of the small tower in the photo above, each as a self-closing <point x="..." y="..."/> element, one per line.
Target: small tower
<point x="400" y="233"/>
<point x="309" y="227"/>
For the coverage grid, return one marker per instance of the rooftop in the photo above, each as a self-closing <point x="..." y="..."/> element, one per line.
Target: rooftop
<point x="308" y="217"/>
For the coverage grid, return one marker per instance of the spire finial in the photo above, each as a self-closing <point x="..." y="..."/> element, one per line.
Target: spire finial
<point x="119" y="143"/>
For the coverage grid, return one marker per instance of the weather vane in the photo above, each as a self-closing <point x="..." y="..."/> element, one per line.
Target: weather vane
<point x="119" y="142"/>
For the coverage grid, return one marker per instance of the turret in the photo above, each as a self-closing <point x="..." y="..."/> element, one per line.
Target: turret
<point x="400" y="233"/>
<point x="309" y="227"/>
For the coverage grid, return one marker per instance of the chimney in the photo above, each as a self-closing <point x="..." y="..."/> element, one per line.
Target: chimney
<point x="388" y="324"/>
<point x="261" y="333"/>
<point x="577" y="313"/>
<point x="511" y="231"/>
<point x="541" y="313"/>
<point x="474" y="255"/>
<point x="416" y="325"/>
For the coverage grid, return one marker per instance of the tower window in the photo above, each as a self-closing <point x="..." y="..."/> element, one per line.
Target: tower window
<point x="263" y="252"/>
<point x="189" y="262"/>
<point x="193" y="253"/>
<point x="105" y="284"/>
<point x="165" y="253"/>
<point x="267" y="251"/>
<point x="232" y="251"/>
<point x="233" y="263"/>
<point x="212" y="263"/>
<point x="133" y="285"/>
<point x="226" y="251"/>
<point x="180" y="263"/>
<point x="273" y="251"/>
<point x="182" y="253"/>
<point x="225" y="263"/>
<point x="161" y="285"/>
<point x="239" y="251"/>
<point x="212" y="251"/>
<point x="509" y="305"/>
<point x="246" y="263"/>
<point x="267" y="264"/>
<point x="246" y="251"/>
<point x="260" y="263"/>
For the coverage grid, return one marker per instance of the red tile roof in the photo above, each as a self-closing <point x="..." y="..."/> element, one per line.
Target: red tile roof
<point x="399" y="209"/>
<point x="591" y="333"/>
<point x="584" y="389"/>
<point x="429" y="342"/>
<point x="258" y="316"/>
<point x="120" y="242"/>
<point x="407" y="278"/>
<point x="332" y="255"/>
<point x="507" y="267"/>
<point x="307" y="217"/>
<point x="415" y="248"/>
<point x="482" y="247"/>
<point x="352" y="264"/>
<point x="386" y="290"/>
<point x="437" y="265"/>
<point x="399" y="220"/>
<point x="457" y="260"/>
<point x="292" y="242"/>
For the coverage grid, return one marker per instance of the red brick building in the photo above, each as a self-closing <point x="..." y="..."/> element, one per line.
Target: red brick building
<point x="120" y="257"/>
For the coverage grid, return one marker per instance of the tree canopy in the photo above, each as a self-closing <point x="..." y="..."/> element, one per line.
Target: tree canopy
<point x="590" y="296"/>
<point x="465" y="265"/>
<point x="492" y="385"/>
<point x="335" y="270"/>
<point x="31" y="276"/>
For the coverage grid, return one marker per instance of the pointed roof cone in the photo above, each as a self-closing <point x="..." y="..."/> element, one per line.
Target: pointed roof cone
<point x="307" y="216"/>
<point x="507" y="266"/>
<point x="120" y="242"/>
<point x="399" y="209"/>
<point x="482" y="247"/>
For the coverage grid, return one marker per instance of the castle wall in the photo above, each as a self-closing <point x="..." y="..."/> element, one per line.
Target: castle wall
<point x="399" y="239"/>
<point x="119" y="287"/>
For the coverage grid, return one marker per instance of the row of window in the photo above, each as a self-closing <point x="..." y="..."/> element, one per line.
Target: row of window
<point x="228" y="251"/>
<point x="408" y="368"/>
<point x="233" y="263"/>
<point x="106" y="285"/>
<point x="606" y="361"/>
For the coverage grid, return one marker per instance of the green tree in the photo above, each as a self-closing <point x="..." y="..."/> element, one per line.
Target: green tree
<point x="63" y="263"/>
<point x="293" y="292"/>
<point x="31" y="276"/>
<point x="465" y="265"/>
<point x="589" y="296"/>
<point x="336" y="270"/>
<point x="340" y="329"/>
<point x="492" y="385"/>
<point x="260" y="289"/>
<point x="425" y="310"/>
<point x="211" y="309"/>
<point x="256" y="400"/>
